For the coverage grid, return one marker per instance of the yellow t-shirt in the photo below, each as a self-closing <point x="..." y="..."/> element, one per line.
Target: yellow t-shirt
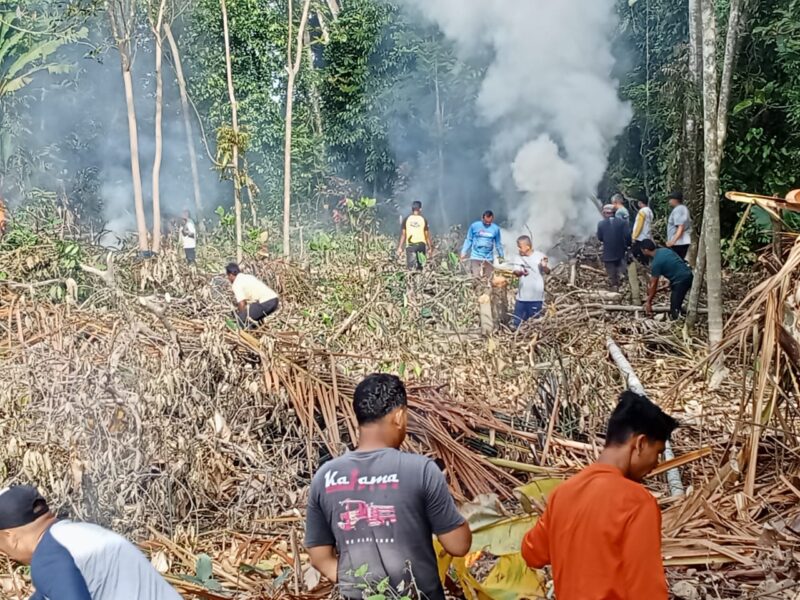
<point x="251" y="290"/>
<point x="415" y="227"/>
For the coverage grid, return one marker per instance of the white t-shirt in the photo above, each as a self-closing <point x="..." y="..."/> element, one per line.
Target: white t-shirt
<point x="251" y="289"/>
<point x="680" y="216"/>
<point x="647" y="214"/>
<point x="72" y="559"/>
<point x="531" y="285"/>
<point x="190" y="240"/>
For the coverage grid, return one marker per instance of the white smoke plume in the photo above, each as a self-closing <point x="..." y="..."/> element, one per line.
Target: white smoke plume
<point x="549" y="99"/>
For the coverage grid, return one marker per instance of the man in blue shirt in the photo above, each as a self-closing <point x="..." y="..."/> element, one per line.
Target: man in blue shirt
<point x="668" y="264"/>
<point x="483" y="238"/>
<point x="73" y="561"/>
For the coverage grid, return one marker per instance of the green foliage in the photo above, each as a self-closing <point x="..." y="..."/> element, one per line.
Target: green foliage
<point x="204" y="574"/>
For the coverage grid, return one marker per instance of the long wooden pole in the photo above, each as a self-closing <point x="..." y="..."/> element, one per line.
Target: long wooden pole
<point x="635" y="385"/>
<point x="237" y="199"/>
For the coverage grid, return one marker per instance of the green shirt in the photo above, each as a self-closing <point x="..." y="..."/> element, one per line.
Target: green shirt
<point x="668" y="264"/>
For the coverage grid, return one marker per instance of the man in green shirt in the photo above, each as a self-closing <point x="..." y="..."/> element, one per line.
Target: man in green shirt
<point x="666" y="263"/>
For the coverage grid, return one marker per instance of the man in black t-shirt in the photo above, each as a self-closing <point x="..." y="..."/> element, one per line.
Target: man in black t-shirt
<point x="372" y="513"/>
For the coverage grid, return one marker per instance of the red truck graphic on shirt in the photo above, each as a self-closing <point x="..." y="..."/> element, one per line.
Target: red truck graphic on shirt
<point x="358" y="510"/>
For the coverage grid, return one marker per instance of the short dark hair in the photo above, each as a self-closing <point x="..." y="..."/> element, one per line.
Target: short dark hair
<point x="676" y="196"/>
<point x="488" y="213"/>
<point x="378" y="395"/>
<point x="647" y="245"/>
<point x="636" y="414"/>
<point x="526" y="239"/>
<point x="618" y="198"/>
<point x="416" y="205"/>
<point x="232" y="269"/>
<point x="644" y="201"/>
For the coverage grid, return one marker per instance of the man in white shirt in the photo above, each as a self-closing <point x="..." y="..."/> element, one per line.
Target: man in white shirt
<point x="531" y="267"/>
<point x="679" y="227"/>
<point x="642" y="230"/>
<point x="188" y="237"/>
<point x="254" y="299"/>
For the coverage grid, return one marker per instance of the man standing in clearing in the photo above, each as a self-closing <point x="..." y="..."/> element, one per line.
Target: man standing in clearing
<point x="616" y="238"/>
<point x="620" y="211"/>
<point x="188" y="238"/>
<point x="642" y="230"/>
<point x="666" y="263"/>
<point x="254" y="299"/>
<point x="679" y="226"/>
<point x="483" y="239"/>
<point x="73" y="561"/>
<point x="530" y="267"/>
<point x="601" y="530"/>
<point x="416" y="236"/>
<point x="372" y="513"/>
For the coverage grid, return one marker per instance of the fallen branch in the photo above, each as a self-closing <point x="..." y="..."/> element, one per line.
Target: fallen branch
<point x="633" y="384"/>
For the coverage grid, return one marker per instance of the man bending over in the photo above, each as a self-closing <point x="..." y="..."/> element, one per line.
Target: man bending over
<point x="254" y="299"/>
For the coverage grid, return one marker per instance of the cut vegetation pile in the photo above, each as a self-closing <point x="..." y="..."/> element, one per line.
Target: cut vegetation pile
<point x="131" y="402"/>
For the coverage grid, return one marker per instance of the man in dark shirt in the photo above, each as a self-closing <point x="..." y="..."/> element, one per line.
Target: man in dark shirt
<point x="372" y="513"/>
<point x="616" y="238"/>
<point x="666" y="263"/>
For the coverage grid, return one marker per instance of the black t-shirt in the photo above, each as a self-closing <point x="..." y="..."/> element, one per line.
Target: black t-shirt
<point x="381" y="509"/>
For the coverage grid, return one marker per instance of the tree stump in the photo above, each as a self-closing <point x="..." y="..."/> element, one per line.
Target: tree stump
<point x="499" y="293"/>
<point x="485" y="306"/>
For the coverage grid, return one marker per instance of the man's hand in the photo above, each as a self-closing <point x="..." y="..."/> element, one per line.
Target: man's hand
<point x="399" y="253"/>
<point x="325" y="560"/>
<point x="464" y="257"/>
<point x="648" y="309"/>
<point x="520" y="272"/>
<point x="500" y="260"/>
<point x="670" y="244"/>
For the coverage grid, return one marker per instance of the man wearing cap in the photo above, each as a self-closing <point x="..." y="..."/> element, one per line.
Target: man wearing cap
<point x="254" y="299"/>
<point x="73" y="561"/>
<point x="616" y="238"/>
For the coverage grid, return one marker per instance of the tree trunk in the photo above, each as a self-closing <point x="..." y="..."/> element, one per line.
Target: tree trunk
<point x="440" y="149"/>
<point x="237" y="198"/>
<point x="692" y="105"/>
<point x="159" y="140"/>
<point x="711" y="226"/>
<point x="334" y="7"/>
<point x="187" y="123"/>
<point x="292" y="68"/>
<point x="697" y="285"/>
<point x="136" y="176"/>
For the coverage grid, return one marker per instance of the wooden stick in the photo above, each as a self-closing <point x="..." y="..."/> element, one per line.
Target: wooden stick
<point x="633" y="384"/>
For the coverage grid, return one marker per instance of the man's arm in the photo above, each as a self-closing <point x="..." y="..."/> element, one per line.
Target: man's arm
<point x="536" y="544"/>
<point x="428" y="239"/>
<point x="325" y="560"/>
<point x="468" y="242"/>
<point x="54" y="573"/>
<point x="652" y="288"/>
<point x="449" y="526"/>
<point x="498" y="244"/>
<point x="627" y="234"/>
<point x="600" y="231"/>
<point x="642" y="565"/>
<point x="677" y="236"/>
<point x="639" y="225"/>
<point x="402" y="236"/>
<point x="544" y="267"/>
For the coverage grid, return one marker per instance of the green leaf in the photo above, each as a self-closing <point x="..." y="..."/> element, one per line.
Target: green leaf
<point x="744" y="104"/>
<point x="376" y="597"/>
<point x="361" y="571"/>
<point x="203" y="567"/>
<point x="382" y="586"/>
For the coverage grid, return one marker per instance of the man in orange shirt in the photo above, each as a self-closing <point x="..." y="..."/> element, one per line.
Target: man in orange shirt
<point x="601" y="531"/>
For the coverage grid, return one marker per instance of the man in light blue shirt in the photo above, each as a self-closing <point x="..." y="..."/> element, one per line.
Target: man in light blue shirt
<point x="73" y="561"/>
<point x="483" y="239"/>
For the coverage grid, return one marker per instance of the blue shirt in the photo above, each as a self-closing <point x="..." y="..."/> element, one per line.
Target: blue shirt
<point x="667" y="263"/>
<point x="483" y="240"/>
<point x="81" y="561"/>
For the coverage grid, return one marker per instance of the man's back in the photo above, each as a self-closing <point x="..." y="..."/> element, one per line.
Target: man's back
<point x="72" y="558"/>
<point x="602" y="535"/>
<point x="381" y="508"/>
<point x="616" y="238"/>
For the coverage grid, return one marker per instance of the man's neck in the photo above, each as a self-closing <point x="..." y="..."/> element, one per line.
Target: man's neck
<point x="610" y="457"/>
<point x="369" y="440"/>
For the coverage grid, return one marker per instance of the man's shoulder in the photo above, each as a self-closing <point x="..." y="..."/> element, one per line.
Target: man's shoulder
<point x="85" y="538"/>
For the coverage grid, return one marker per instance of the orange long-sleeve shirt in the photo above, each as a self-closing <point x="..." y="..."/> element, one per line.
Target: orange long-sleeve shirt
<point x="602" y="535"/>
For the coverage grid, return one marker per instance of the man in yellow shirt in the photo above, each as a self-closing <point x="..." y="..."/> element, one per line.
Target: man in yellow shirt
<point x="642" y="230"/>
<point x="254" y="299"/>
<point x="416" y="236"/>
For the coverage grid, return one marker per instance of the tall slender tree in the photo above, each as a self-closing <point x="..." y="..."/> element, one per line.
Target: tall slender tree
<point x="122" y="17"/>
<point x="156" y="24"/>
<point x="294" y="57"/>
<point x="237" y="192"/>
